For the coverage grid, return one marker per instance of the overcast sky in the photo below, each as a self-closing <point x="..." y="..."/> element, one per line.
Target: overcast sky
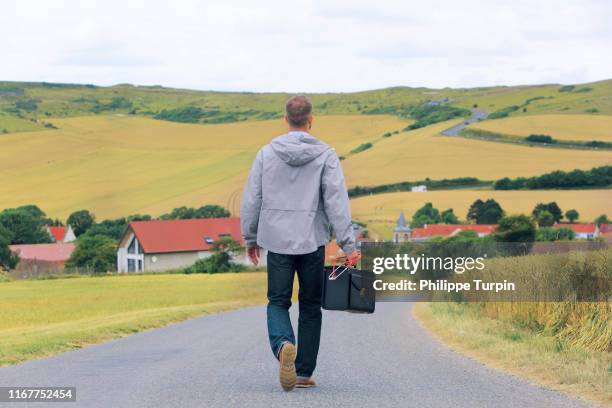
<point x="322" y="46"/>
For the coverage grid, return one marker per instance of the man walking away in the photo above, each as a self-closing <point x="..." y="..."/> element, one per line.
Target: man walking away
<point x="294" y="195"/>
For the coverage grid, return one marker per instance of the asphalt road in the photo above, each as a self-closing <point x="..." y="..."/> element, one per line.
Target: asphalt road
<point x="223" y="360"/>
<point x="477" y="115"/>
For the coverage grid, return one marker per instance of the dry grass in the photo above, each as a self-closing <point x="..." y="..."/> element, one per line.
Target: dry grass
<point x="380" y="211"/>
<point x="118" y="165"/>
<point x="423" y="153"/>
<point x="562" y="127"/>
<point x="502" y="345"/>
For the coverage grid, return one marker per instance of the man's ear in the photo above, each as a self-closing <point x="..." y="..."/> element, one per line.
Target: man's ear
<point x="287" y="119"/>
<point x="310" y="118"/>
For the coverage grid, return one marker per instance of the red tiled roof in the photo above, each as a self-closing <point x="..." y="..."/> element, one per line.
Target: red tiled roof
<point x="162" y="236"/>
<point x="58" y="233"/>
<point x="445" y="230"/>
<point x="605" y="228"/>
<point x="57" y="252"/>
<point x="578" y="228"/>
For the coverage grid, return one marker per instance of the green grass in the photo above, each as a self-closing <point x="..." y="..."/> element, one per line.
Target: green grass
<point x="506" y="346"/>
<point x="43" y="317"/>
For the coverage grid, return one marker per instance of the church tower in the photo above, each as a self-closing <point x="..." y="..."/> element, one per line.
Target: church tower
<point x="402" y="231"/>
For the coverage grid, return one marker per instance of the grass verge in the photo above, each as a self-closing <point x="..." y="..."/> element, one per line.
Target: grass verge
<point x="502" y="345"/>
<point x="44" y="317"/>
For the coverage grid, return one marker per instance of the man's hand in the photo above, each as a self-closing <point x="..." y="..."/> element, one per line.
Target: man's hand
<point x="353" y="258"/>
<point x="253" y="254"/>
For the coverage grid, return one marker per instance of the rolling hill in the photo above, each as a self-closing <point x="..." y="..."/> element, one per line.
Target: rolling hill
<point x="120" y="165"/>
<point x="67" y="147"/>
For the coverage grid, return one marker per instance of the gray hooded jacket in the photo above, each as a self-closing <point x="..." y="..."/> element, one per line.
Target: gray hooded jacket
<point x="294" y="194"/>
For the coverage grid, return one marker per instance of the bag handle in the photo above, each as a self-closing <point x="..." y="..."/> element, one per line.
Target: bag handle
<point x="342" y="268"/>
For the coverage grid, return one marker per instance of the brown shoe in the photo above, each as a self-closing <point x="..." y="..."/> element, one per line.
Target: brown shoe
<point x="303" y="382"/>
<point x="287" y="375"/>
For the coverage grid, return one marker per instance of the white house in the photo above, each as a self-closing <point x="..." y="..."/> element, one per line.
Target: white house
<point x="161" y="245"/>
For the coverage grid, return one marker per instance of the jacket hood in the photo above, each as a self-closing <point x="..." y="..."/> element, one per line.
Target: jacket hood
<point x="298" y="148"/>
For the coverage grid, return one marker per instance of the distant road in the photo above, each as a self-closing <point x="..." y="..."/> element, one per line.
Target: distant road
<point x="476" y="116"/>
<point x="223" y="360"/>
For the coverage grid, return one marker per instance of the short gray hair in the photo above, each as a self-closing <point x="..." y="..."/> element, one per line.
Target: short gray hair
<point x="298" y="110"/>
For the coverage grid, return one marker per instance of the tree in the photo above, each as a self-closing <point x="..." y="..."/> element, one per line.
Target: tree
<point x="572" y="215"/>
<point x="449" y="217"/>
<point x="109" y="228"/>
<point x="602" y="219"/>
<point x="515" y="228"/>
<point x="545" y="219"/>
<point x="26" y="226"/>
<point x="551" y="207"/>
<point x="96" y="252"/>
<point x="8" y="260"/>
<point x="221" y="259"/>
<point x="427" y="214"/>
<point x="206" y="211"/>
<point x="474" y="210"/>
<point x="555" y="234"/>
<point x="81" y="221"/>
<point x="212" y="211"/>
<point x="485" y="212"/>
<point x="503" y="184"/>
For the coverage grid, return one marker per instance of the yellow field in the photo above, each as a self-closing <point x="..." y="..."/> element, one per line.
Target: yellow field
<point x="422" y="153"/>
<point x="380" y="211"/>
<point x="42" y="317"/>
<point x="118" y="165"/>
<point x="562" y="127"/>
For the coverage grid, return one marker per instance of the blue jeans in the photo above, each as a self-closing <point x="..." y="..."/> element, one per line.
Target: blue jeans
<point x="281" y="270"/>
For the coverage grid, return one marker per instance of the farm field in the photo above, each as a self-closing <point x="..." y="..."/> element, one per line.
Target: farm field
<point x="562" y="127"/>
<point x="42" y="317"/>
<point x="120" y="165"/>
<point x="380" y="211"/>
<point x="422" y="153"/>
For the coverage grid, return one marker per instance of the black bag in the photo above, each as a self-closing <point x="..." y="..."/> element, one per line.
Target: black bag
<point x="347" y="288"/>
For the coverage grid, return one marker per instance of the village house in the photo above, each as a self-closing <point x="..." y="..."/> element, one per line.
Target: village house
<point x="162" y="245"/>
<point x="61" y="234"/>
<point x="41" y="259"/>
<point x="581" y="231"/>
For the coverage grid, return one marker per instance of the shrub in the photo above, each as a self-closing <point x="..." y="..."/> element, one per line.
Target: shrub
<point x="427" y="115"/>
<point x="540" y="139"/>
<point x="596" y="177"/>
<point x="361" y="148"/>
<point x="29" y="105"/>
<point x="504" y="112"/>
<point x="96" y="252"/>
<point x="592" y="110"/>
<point x="220" y="260"/>
<point x="567" y="88"/>
<point x="555" y="234"/>
<point x="515" y="228"/>
<point x="599" y="144"/>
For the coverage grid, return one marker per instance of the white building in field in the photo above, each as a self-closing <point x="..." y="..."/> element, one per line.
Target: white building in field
<point x="419" y="189"/>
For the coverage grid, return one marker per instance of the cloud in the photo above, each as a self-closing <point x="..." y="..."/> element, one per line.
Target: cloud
<point x="312" y="46"/>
